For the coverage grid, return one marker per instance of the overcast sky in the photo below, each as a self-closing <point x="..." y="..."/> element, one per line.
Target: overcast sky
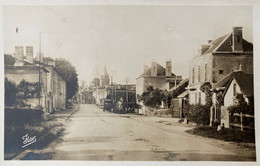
<point x="123" y="38"/>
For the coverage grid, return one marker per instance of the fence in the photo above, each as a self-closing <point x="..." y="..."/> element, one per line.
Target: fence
<point x="244" y="121"/>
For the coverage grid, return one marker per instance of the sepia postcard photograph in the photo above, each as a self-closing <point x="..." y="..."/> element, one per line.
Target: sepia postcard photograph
<point x="152" y="83"/>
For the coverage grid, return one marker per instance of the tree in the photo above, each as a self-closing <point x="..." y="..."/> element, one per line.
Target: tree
<point x="153" y="97"/>
<point x="27" y="90"/>
<point x="10" y="93"/>
<point x="169" y="97"/>
<point x="242" y="106"/>
<point x="94" y="84"/>
<point x="83" y="86"/>
<point x="69" y="73"/>
<point x="206" y="88"/>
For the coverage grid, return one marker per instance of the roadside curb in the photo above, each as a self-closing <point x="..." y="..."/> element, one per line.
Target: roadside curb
<point x="73" y="112"/>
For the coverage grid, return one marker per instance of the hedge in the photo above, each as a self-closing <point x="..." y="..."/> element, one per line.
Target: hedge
<point x="17" y="116"/>
<point x="199" y="114"/>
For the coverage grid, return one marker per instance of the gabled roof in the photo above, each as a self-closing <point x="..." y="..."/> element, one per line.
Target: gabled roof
<point x="184" y="94"/>
<point x="184" y="83"/>
<point x="245" y="82"/>
<point x="160" y="71"/>
<point x="180" y="88"/>
<point x="222" y="44"/>
<point x="216" y="43"/>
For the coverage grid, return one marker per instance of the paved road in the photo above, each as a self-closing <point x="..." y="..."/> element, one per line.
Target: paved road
<point x="96" y="135"/>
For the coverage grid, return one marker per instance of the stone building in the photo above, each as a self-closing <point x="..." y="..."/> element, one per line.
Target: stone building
<point x="104" y="78"/>
<point x="235" y="84"/>
<point x="217" y="59"/>
<point x="125" y="92"/>
<point x="158" y="77"/>
<point x="99" y="95"/>
<point x="53" y="91"/>
<point x="100" y="91"/>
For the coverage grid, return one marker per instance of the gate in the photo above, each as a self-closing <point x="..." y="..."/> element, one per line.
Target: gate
<point x="175" y="108"/>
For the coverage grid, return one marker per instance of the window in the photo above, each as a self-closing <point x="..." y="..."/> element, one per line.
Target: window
<point x="199" y="74"/>
<point x="196" y="98"/>
<point x="206" y="68"/>
<point x="199" y="96"/>
<point x="234" y="89"/>
<point x="221" y="71"/>
<point x="193" y="75"/>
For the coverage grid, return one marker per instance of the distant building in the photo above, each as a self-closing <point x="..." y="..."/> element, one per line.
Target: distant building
<point x="126" y="92"/>
<point x="104" y="78"/>
<point x="180" y="97"/>
<point x="101" y="83"/>
<point x="53" y="92"/>
<point x="157" y="77"/>
<point x="99" y="95"/>
<point x="217" y="59"/>
<point x="86" y="97"/>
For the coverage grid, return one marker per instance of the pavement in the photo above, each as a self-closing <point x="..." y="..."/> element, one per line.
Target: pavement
<point x="92" y="134"/>
<point x="67" y="112"/>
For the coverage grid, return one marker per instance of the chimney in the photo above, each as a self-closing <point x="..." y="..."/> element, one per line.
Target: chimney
<point x="237" y="39"/>
<point x="145" y="68"/>
<point x="204" y="48"/>
<point x="168" y="68"/>
<point x="29" y="54"/>
<point x="19" y="56"/>
<point x="154" y="69"/>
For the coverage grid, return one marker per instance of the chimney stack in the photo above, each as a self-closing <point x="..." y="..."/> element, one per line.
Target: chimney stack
<point x="19" y="56"/>
<point x="154" y="69"/>
<point x="237" y="39"/>
<point x="29" y="54"/>
<point x="204" y="48"/>
<point x="168" y="68"/>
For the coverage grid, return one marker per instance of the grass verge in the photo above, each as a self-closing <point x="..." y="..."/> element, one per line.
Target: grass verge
<point x="45" y="129"/>
<point x="230" y="135"/>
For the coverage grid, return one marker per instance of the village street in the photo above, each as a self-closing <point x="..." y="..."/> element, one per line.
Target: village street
<point x="92" y="134"/>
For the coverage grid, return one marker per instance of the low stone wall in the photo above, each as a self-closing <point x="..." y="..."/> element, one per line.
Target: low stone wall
<point x="160" y="112"/>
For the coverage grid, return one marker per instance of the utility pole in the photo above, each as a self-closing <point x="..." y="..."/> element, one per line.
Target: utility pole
<point x="39" y="92"/>
<point x="96" y="92"/>
<point x="126" y="93"/>
<point x="111" y="87"/>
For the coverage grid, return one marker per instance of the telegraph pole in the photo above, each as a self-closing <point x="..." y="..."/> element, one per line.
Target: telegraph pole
<point x="39" y="91"/>
<point x="126" y="92"/>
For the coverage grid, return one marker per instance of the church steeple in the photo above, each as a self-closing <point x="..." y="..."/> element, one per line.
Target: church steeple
<point x="105" y="72"/>
<point x="105" y="78"/>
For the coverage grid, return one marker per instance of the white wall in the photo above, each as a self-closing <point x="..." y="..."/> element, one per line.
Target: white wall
<point x="139" y="87"/>
<point x="229" y="96"/>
